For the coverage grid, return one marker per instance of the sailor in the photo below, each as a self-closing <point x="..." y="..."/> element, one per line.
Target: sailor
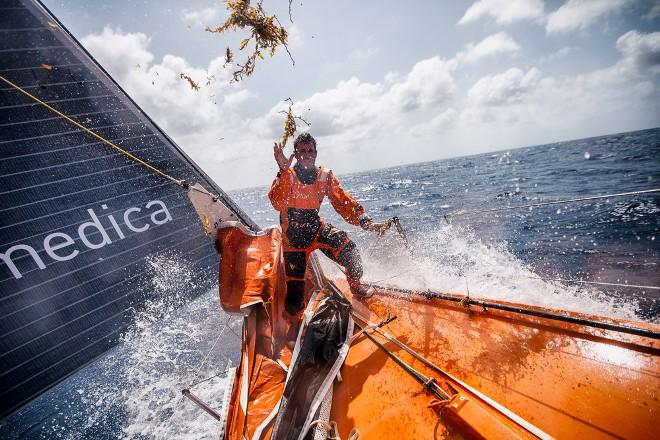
<point x="297" y="193"/>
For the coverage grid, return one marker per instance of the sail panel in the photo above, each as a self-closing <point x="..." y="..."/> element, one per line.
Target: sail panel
<point x="79" y="221"/>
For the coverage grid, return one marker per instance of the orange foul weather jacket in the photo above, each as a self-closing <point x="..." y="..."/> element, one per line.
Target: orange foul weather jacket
<point x="299" y="203"/>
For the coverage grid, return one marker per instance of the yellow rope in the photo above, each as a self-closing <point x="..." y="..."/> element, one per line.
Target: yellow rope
<point x="97" y="136"/>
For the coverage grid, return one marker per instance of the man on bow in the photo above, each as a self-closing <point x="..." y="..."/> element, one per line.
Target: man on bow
<point x="297" y="193"/>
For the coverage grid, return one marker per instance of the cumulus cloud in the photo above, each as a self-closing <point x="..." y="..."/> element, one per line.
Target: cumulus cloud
<point x="504" y="11"/>
<point x="618" y="97"/>
<point x="429" y="83"/>
<point x="492" y="45"/>
<point x="504" y="88"/>
<point x="201" y="17"/>
<point x="642" y="51"/>
<point x="356" y="115"/>
<point x="158" y="87"/>
<point x="196" y="120"/>
<point x="436" y="124"/>
<point x="579" y="14"/>
<point x="234" y="99"/>
<point x="363" y="54"/>
<point x="355" y="119"/>
<point x="653" y="13"/>
<point x="120" y="53"/>
<point x="561" y="53"/>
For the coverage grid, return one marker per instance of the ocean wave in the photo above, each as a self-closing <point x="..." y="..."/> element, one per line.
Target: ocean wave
<point x="399" y="204"/>
<point x="454" y="259"/>
<point x="636" y="210"/>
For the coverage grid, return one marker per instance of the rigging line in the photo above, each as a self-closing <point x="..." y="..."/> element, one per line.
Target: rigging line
<point x="596" y="282"/>
<point x="206" y="380"/>
<point x="87" y="130"/>
<point x="192" y="383"/>
<point x="393" y="276"/>
<point x="201" y="365"/>
<point x="533" y="205"/>
<point x="590" y="322"/>
<point x="600" y="283"/>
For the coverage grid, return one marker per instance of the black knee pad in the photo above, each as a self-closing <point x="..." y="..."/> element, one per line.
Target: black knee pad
<point x="295" y="264"/>
<point x="332" y="236"/>
<point x="349" y="257"/>
<point x="295" y="297"/>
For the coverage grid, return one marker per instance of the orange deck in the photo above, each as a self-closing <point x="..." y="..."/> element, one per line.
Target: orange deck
<point x="569" y="380"/>
<point x="511" y="375"/>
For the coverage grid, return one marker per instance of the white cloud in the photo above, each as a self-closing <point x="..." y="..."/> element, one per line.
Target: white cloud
<point x="363" y="54"/>
<point x="642" y="51"/>
<point x="295" y="39"/>
<point x="196" y="120"/>
<point x="653" y="13"/>
<point x="436" y="124"/>
<point x="618" y="97"/>
<point x="158" y="87"/>
<point x="357" y="114"/>
<point x="429" y="83"/>
<point x="490" y="46"/>
<point x="201" y="17"/>
<point x="504" y="88"/>
<point x="561" y="53"/>
<point x="359" y="123"/>
<point x="504" y="11"/>
<point x="349" y="107"/>
<point x="579" y="14"/>
<point x="120" y="53"/>
<point x="235" y="99"/>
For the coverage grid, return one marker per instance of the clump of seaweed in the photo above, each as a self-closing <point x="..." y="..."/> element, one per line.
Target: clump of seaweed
<point x="229" y="57"/>
<point x="193" y="84"/>
<point x="290" y="124"/>
<point x="266" y="31"/>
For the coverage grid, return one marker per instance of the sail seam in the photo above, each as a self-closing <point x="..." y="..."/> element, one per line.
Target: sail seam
<point x="82" y="316"/>
<point x="86" y="144"/>
<point x="77" y="162"/>
<point x="66" y="133"/>
<point x="57" y="118"/>
<point x="57" y="101"/>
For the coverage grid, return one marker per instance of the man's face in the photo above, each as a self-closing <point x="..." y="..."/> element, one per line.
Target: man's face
<point x="306" y="155"/>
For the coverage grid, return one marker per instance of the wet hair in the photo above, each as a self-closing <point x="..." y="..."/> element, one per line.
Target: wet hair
<point x="304" y="138"/>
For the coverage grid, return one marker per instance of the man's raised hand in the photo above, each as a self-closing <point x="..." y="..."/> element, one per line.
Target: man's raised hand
<point x="282" y="161"/>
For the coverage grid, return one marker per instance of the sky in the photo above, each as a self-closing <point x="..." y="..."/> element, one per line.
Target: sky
<point x="381" y="82"/>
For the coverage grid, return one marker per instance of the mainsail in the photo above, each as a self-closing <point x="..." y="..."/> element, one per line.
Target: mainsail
<point x="78" y="219"/>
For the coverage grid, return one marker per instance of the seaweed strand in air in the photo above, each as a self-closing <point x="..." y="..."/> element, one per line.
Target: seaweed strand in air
<point x="290" y="125"/>
<point x="266" y="31"/>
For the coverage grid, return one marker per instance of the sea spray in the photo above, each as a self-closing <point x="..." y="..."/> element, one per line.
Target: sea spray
<point x="454" y="259"/>
<point x="134" y="390"/>
<point x="164" y="353"/>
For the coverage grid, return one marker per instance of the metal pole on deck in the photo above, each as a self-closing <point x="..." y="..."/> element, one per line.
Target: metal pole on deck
<point x="197" y="401"/>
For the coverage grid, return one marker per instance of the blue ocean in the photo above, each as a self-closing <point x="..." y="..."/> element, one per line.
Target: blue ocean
<point x="600" y="256"/>
<point x="611" y="240"/>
